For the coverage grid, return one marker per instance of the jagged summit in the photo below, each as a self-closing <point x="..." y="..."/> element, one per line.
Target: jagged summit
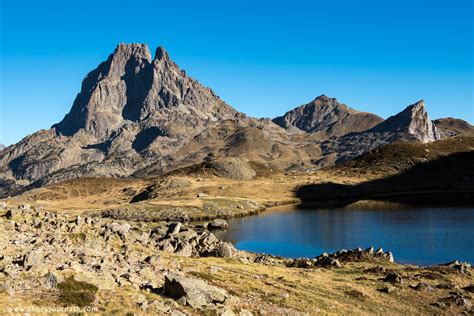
<point x="131" y="87"/>
<point x="161" y="53"/>
<point x="328" y="117"/>
<point x="413" y="121"/>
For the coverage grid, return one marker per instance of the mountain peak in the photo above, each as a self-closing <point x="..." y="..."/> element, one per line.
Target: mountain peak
<point x="412" y="121"/>
<point x="324" y="98"/>
<point x="328" y="117"/>
<point x="161" y="53"/>
<point x="128" y="87"/>
<point x="138" y="51"/>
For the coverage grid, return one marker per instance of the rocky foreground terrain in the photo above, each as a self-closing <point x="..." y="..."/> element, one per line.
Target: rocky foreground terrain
<point x="148" y="246"/>
<point x="139" y="115"/>
<point x="49" y="259"/>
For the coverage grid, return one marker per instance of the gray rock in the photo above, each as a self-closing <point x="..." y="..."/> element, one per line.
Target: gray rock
<point x="226" y="250"/>
<point x="423" y="286"/>
<point x="174" y="228"/>
<point x="393" y="278"/>
<point x="197" y="293"/>
<point x="34" y="258"/>
<point x="218" y="224"/>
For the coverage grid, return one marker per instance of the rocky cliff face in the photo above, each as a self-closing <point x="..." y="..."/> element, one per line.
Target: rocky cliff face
<point x="131" y="87"/>
<point x="141" y="116"/>
<point x="327" y="117"/>
<point x="411" y="123"/>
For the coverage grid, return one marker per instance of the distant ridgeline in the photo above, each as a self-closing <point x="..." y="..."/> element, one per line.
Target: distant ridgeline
<point x="138" y="115"/>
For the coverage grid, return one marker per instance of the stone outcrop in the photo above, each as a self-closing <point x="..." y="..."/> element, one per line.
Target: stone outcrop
<point x="412" y="123"/>
<point x="193" y="292"/>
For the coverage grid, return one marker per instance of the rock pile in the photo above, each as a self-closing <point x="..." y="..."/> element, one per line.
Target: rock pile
<point x="103" y="252"/>
<point x="336" y="259"/>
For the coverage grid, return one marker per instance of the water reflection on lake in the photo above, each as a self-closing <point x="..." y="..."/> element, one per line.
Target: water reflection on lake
<point x="415" y="235"/>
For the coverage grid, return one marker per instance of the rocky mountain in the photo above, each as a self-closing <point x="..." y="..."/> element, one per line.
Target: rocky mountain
<point x="141" y="116"/>
<point x="2" y="146"/>
<point x="412" y="124"/>
<point x="130" y="87"/>
<point x="327" y="117"/>
<point x="449" y="126"/>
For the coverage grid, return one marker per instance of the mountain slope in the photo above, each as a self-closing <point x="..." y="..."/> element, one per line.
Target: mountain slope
<point x="449" y="126"/>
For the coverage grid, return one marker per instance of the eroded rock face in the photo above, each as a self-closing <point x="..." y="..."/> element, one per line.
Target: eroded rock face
<point x="413" y="122"/>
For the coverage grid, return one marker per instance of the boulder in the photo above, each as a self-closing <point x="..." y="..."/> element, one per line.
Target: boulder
<point x="34" y="258"/>
<point x="422" y="286"/>
<point x="394" y="278"/>
<point x="218" y="224"/>
<point x="118" y="228"/>
<point x="174" y="228"/>
<point x="194" y="292"/>
<point x="226" y="250"/>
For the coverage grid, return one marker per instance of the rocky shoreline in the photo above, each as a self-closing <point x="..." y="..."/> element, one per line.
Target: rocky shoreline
<point x="110" y="254"/>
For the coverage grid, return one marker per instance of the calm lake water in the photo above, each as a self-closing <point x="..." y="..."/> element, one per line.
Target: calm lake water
<point x="421" y="236"/>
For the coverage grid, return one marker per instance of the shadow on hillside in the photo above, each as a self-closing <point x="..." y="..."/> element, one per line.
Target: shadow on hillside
<point x="448" y="180"/>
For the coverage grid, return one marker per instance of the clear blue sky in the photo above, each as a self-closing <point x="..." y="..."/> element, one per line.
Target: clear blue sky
<point x="262" y="57"/>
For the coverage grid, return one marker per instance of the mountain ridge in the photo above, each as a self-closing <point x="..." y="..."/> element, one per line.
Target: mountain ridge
<point x="137" y="116"/>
